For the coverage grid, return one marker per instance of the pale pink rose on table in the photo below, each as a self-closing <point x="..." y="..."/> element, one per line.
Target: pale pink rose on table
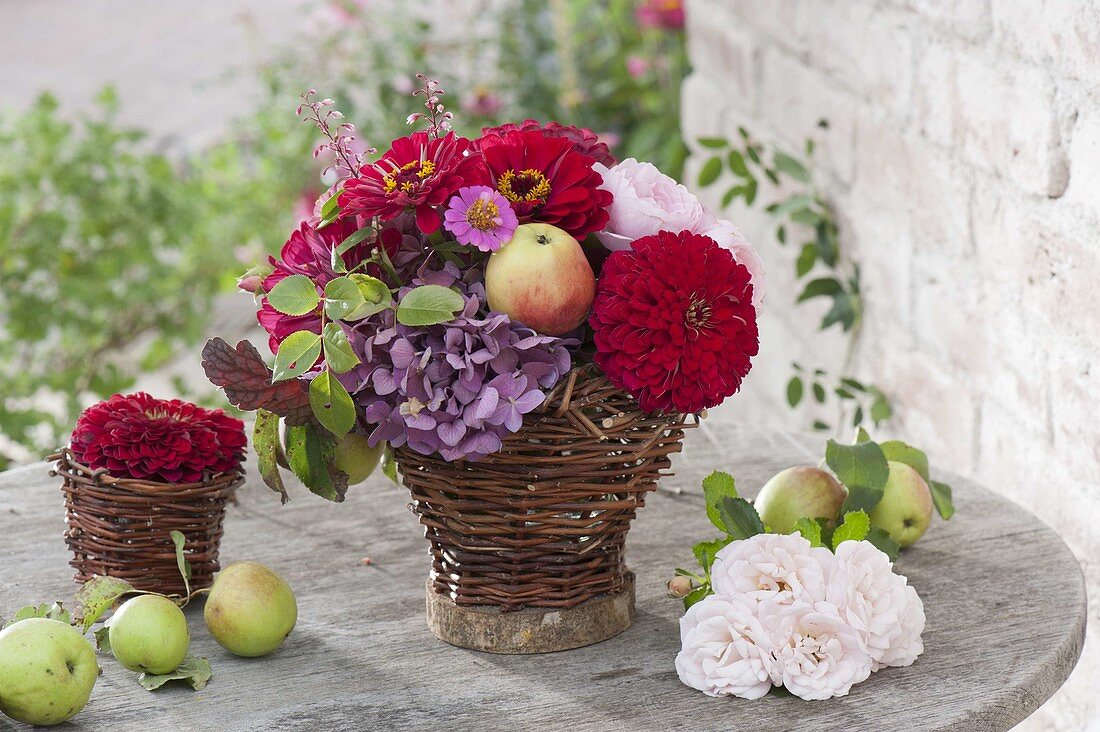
<point x="728" y="237"/>
<point x="725" y="650"/>
<point x="782" y="568"/>
<point x="646" y="201"/>
<point x="815" y="653"/>
<point x="877" y="603"/>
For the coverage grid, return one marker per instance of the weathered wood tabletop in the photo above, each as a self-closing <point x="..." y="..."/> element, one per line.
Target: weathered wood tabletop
<point x="1005" y="602"/>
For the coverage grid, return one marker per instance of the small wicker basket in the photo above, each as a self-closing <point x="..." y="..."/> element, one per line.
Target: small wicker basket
<point x="122" y="527"/>
<point x="542" y="523"/>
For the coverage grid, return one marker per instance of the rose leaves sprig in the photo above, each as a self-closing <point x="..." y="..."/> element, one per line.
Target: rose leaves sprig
<point x="820" y="262"/>
<point x="862" y="467"/>
<point x="309" y="452"/>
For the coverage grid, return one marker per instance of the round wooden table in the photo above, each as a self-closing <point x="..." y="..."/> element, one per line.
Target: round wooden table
<point x="1005" y="602"/>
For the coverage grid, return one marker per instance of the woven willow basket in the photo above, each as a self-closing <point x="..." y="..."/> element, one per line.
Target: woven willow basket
<point x="543" y="522"/>
<point x="122" y="527"/>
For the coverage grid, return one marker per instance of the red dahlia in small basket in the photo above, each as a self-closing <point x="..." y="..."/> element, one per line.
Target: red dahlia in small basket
<point x="171" y="441"/>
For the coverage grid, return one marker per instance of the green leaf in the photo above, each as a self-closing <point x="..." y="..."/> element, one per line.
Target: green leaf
<point x="843" y="312"/>
<point x="389" y="465"/>
<point x="820" y="426"/>
<point x="737" y="164"/>
<point x="705" y="552"/>
<point x="794" y="203"/>
<point x="884" y="543"/>
<point x="179" y="541"/>
<point x="900" y="452"/>
<point x="716" y="486"/>
<point x="429" y="305"/>
<point x="753" y="153"/>
<point x="311" y="454"/>
<point x="195" y="671"/>
<point x="376" y="296"/>
<point x="862" y="464"/>
<point x="710" y="172"/>
<point x="786" y="164"/>
<point x="332" y="405"/>
<point x="810" y="530"/>
<point x="55" y="611"/>
<point x="330" y="208"/>
<point x="696" y="595"/>
<point x="95" y="597"/>
<point x="862" y="436"/>
<point x="730" y="194"/>
<point x="853" y="384"/>
<point x="819" y="393"/>
<point x="781" y="234"/>
<point x="338" y="354"/>
<point x="750" y="192"/>
<point x="821" y="287"/>
<point x="855" y="527"/>
<point x="353" y="239"/>
<point x="712" y="142"/>
<point x="807" y="258"/>
<point x="881" y="409"/>
<point x="294" y="295"/>
<point x="941" y="497"/>
<point x="103" y="639"/>
<point x="794" y="391"/>
<point x="265" y="440"/>
<point x="826" y="243"/>
<point x="342" y="297"/>
<point x="297" y="354"/>
<point x="739" y="518"/>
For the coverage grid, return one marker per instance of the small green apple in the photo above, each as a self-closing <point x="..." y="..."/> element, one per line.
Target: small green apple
<point x="542" y="279"/>
<point x="250" y="609"/>
<point x="905" y="510"/>
<point x="356" y="458"/>
<point x="149" y="634"/>
<point x="47" y="671"/>
<point x="795" y="493"/>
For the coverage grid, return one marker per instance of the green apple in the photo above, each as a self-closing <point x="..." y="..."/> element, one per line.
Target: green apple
<point x="250" y="609"/>
<point x="47" y="671"/>
<point x="149" y="634"/>
<point x="905" y="510"/>
<point x="356" y="458"/>
<point x="542" y="279"/>
<point x="794" y="493"/>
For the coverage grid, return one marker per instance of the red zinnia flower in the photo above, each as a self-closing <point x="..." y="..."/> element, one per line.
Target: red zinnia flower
<point x="170" y="441"/>
<point x="674" y="322"/>
<point x="584" y="140"/>
<point x="546" y="180"/>
<point x="308" y="252"/>
<point x="418" y="173"/>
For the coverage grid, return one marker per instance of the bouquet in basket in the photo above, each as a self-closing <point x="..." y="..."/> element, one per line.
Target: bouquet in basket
<point x="443" y="288"/>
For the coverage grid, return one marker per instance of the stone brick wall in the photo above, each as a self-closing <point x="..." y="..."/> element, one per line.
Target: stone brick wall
<point x="963" y="160"/>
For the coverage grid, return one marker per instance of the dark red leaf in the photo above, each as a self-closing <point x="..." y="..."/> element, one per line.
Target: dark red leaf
<point x="246" y="380"/>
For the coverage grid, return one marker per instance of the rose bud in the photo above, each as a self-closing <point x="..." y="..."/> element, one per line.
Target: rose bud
<point x="251" y="283"/>
<point x="679" y="586"/>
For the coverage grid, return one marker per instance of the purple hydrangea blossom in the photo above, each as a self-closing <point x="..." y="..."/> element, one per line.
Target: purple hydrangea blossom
<point x="457" y="388"/>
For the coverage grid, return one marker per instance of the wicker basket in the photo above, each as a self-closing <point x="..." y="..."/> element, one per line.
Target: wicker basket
<point x="121" y="527"/>
<point x="543" y="522"/>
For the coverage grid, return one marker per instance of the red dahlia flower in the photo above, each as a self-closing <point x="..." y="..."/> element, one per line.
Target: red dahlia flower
<point x="170" y="441"/>
<point x="674" y="322"/>
<point x="546" y="180"/>
<point x="418" y="173"/>
<point x="585" y="141"/>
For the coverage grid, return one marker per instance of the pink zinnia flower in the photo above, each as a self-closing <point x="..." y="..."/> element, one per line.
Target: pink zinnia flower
<point x="480" y="217"/>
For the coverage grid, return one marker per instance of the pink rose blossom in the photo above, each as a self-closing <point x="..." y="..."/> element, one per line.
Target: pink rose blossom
<point x="727" y="236"/>
<point x="645" y="202"/>
<point x="782" y="568"/>
<point x="724" y="649"/>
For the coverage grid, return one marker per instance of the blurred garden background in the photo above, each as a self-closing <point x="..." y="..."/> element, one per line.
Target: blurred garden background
<point x="150" y="153"/>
